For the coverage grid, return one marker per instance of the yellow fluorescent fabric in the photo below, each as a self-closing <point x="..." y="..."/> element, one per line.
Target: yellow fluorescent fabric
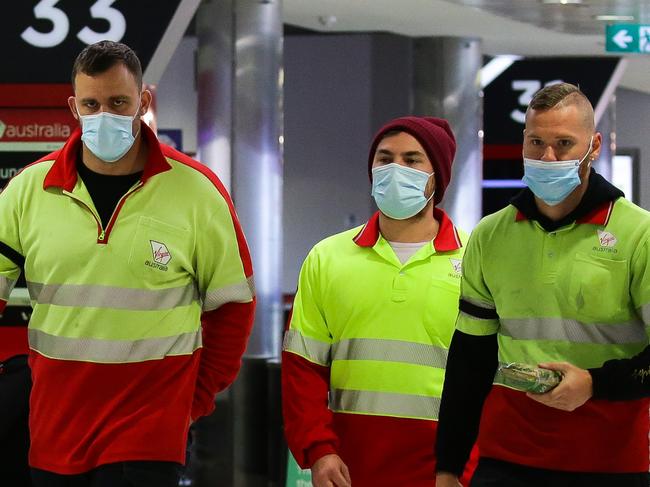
<point x="383" y="328"/>
<point x="577" y="294"/>
<point x="167" y="259"/>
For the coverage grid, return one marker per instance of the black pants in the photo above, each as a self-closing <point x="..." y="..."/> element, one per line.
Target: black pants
<point x="495" y="473"/>
<point x="15" y="385"/>
<point x="123" y="474"/>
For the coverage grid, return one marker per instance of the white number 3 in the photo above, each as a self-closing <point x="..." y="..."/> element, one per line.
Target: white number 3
<point x="101" y="9"/>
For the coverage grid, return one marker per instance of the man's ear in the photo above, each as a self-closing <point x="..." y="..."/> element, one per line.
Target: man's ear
<point x="145" y="102"/>
<point x="596" y="146"/>
<point x="73" y="107"/>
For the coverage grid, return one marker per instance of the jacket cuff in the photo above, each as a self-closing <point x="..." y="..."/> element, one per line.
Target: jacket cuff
<point x="449" y="467"/>
<point x="598" y="383"/>
<point x="317" y="451"/>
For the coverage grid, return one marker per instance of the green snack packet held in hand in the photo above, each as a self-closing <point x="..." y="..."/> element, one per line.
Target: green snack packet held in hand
<point x="527" y="378"/>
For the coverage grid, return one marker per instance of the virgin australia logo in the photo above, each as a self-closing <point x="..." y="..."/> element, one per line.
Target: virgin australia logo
<point x="607" y="241"/>
<point x="457" y="267"/>
<point x="161" y="256"/>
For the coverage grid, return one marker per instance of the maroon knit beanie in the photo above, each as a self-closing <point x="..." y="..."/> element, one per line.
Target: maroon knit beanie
<point x="437" y="139"/>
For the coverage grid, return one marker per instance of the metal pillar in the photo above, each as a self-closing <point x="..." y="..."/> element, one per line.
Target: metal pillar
<point x="447" y="84"/>
<point x="257" y="156"/>
<point x="240" y="138"/>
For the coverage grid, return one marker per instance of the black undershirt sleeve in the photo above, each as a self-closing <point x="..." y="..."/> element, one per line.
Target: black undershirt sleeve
<point x="471" y="366"/>
<point x="623" y="379"/>
<point x="12" y="255"/>
<point x="477" y="311"/>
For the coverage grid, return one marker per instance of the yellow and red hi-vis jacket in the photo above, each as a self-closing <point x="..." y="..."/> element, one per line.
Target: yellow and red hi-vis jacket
<point x="135" y="326"/>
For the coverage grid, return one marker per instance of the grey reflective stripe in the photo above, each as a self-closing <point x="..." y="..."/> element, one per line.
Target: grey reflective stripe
<point x="111" y="297"/>
<point x="389" y="351"/>
<point x="314" y="350"/>
<point x="112" y="351"/>
<point x="385" y="403"/>
<point x="6" y="285"/>
<point x="242" y="292"/>
<point x="567" y="330"/>
<point x="644" y="313"/>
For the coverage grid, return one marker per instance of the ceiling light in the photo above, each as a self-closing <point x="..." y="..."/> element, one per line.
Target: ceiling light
<point x="562" y="2"/>
<point x="614" y="18"/>
<point x="495" y="67"/>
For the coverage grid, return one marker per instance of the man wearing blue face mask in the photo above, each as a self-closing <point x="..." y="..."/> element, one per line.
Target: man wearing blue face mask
<point x="141" y="284"/>
<point x="560" y="275"/>
<point x="365" y="350"/>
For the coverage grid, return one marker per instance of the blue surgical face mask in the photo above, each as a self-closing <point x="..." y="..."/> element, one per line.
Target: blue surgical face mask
<point x="399" y="190"/>
<point x="107" y="135"/>
<point x="553" y="181"/>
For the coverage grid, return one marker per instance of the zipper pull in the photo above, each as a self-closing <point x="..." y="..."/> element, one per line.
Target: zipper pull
<point x="101" y="236"/>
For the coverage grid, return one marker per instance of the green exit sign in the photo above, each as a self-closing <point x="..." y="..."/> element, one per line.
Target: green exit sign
<point x="627" y="38"/>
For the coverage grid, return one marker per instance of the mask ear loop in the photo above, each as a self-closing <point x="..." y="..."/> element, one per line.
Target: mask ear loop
<point x="434" y="189"/>
<point x="139" y="117"/>
<point x="591" y="159"/>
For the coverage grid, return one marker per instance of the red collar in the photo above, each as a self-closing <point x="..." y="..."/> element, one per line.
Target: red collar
<point x="63" y="173"/>
<point x="599" y="216"/>
<point x="446" y="240"/>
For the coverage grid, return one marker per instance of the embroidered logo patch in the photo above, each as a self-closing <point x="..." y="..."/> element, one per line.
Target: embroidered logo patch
<point x="456" y="268"/>
<point x="607" y="242"/>
<point x="160" y="252"/>
<point x="161" y="256"/>
<point x="606" y="239"/>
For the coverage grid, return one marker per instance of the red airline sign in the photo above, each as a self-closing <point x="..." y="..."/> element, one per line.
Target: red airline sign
<point x="34" y="125"/>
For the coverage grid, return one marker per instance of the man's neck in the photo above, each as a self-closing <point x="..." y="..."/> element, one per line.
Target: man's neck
<point x="133" y="161"/>
<point x="559" y="211"/>
<point x="422" y="227"/>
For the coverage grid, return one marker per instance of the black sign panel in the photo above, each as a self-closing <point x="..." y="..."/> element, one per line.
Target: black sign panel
<point x="41" y="38"/>
<point x="506" y="98"/>
<point x="12" y="162"/>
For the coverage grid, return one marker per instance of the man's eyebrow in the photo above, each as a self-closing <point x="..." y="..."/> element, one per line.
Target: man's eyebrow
<point x="556" y="137"/>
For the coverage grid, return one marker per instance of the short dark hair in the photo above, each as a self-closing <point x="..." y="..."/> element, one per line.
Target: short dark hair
<point x="103" y="55"/>
<point x="562" y="94"/>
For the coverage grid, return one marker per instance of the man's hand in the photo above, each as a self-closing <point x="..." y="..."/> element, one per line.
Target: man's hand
<point x="330" y="471"/>
<point x="573" y="391"/>
<point x="446" y="479"/>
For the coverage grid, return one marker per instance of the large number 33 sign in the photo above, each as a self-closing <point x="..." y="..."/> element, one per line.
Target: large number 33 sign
<point x="101" y="9"/>
<point x="528" y="87"/>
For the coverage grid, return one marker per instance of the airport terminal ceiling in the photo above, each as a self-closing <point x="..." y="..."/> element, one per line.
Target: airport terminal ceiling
<point x="581" y="17"/>
<point x="522" y="27"/>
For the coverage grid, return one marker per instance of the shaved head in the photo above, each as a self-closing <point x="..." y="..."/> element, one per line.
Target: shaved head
<point x="561" y="95"/>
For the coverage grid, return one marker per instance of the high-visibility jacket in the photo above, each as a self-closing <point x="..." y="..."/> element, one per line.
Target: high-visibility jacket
<point x="579" y="294"/>
<point x="119" y="358"/>
<point x="371" y="334"/>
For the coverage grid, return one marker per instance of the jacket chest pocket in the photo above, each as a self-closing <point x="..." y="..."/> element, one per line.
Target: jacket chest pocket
<point x="598" y="287"/>
<point x="441" y="310"/>
<point x="160" y="252"/>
